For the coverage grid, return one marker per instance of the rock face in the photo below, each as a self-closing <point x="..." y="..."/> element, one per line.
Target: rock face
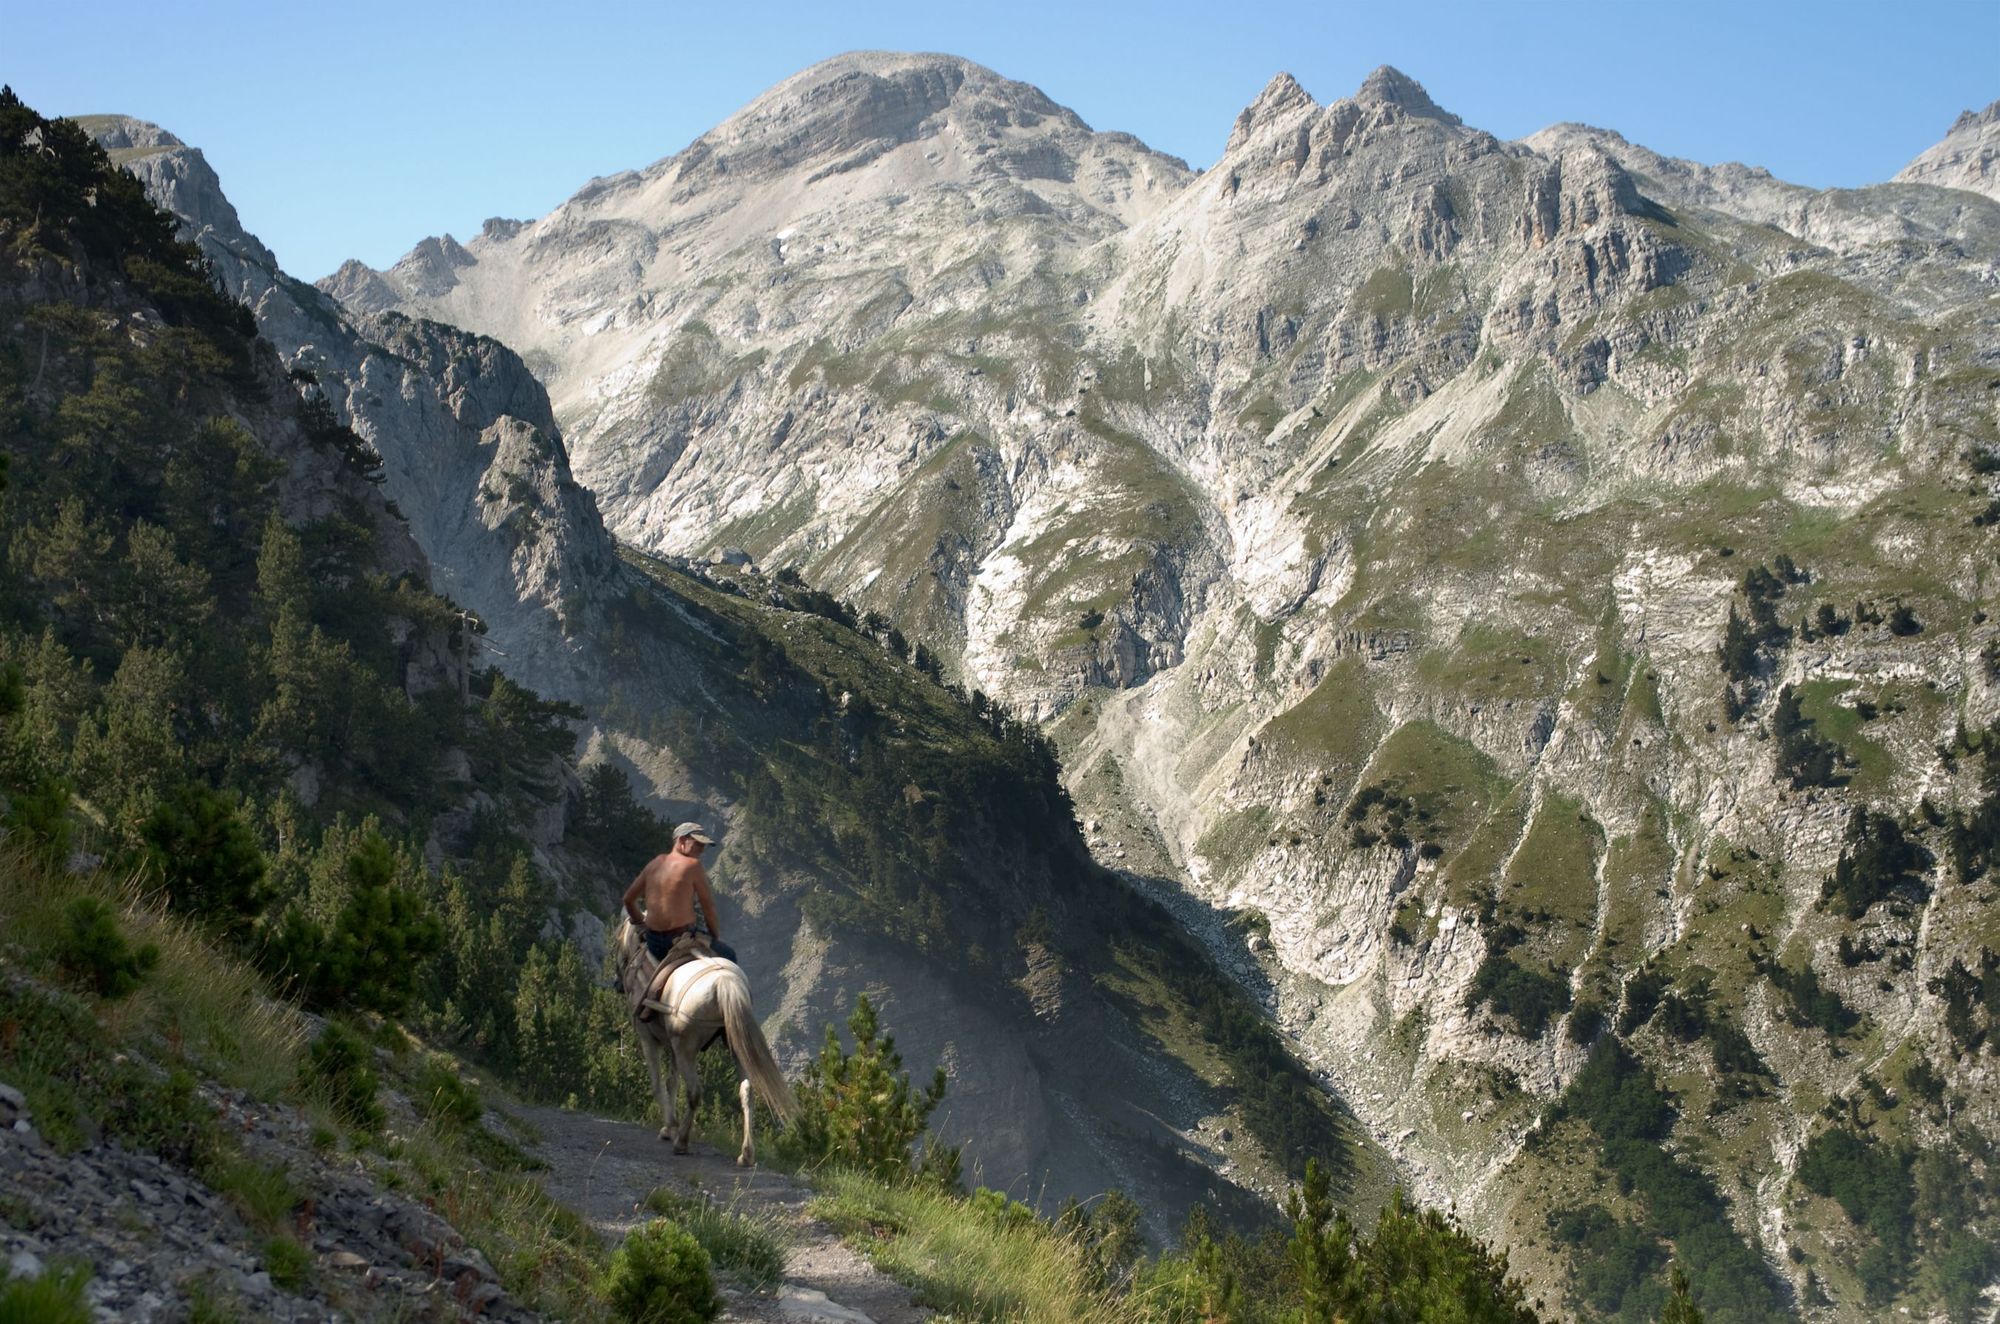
<point x="1365" y="514"/>
<point x="471" y="453"/>
<point x="1968" y="158"/>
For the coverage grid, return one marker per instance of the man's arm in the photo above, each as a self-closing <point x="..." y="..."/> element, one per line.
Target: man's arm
<point x="632" y="894"/>
<point x="702" y="894"/>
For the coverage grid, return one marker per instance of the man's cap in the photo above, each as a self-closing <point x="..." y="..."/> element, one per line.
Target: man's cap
<point x="694" y="830"/>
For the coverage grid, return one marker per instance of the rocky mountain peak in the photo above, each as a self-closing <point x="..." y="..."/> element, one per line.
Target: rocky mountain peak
<point x="1969" y="119"/>
<point x="1968" y="157"/>
<point x="1281" y="96"/>
<point x="432" y="266"/>
<point x="181" y="180"/>
<point x="853" y="108"/>
<point x="122" y="133"/>
<point x="1392" y="87"/>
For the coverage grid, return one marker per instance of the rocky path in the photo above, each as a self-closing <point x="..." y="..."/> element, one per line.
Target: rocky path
<point x="605" y="1169"/>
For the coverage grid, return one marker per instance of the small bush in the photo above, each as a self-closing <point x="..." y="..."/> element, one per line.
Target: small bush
<point x="859" y="1109"/>
<point x="264" y="1196"/>
<point x="999" y="1209"/>
<point x="92" y="950"/>
<point x="288" y="1263"/>
<point x="1587" y="1023"/>
<point x="378" y="946"/>
<point x="661" y="1276"/>
<point x="1811" y="1003"/>
<point x="1876" y="859"/>
<point x="738" y="1244"/>
<point x="54" y="1298"/>
<point x="446" y="1099"/>
<point x="337" y="1068"/>
<point x="39" y="814"/>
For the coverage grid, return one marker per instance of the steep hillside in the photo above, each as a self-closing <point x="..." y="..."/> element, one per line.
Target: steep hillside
<point x="1515" y="576"/>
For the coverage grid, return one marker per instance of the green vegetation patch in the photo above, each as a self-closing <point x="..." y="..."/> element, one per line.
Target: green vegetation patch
<point x="1388" y="293"/>
<point x="1492" y="663"/>
<point x="1551" y="880"/>
<point x="1618" y="1097"/>
<point x="1334" y="728"/>
<point x="749" y="1247"/>
<point x="1454" y="782"/>
<point x="961" y="1260"/>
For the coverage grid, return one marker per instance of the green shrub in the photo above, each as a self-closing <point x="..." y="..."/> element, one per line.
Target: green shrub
<point x="54" y="1298"/>
<point x="1876" y="859"/>
<point x="207" y="857"/>
<point x="1419" y="1267"/>
<point x="1614" y="1265"/>
<point x="288" y="1263"/>
<point x="661" y="1276"/>
<point x="39" y="813"/>
<point x="739" y="1244"/>
<point x="1871" y="1180"/>
<point x="447" y="1099"/>
<point x="380" y="942"/>
<point x="998" y="1208"/>
<point x="1811" y="1004"/>
<point x="1964" y="1267"/>
<point x="1642" y="998"/>
<point x="92" y="950"/>
<point x="337" y="1067"/>
<point x="264" y="1196"/>
<point x="1804" y="757"/>
<point x="381" y="939"/>
<point x="858" y="1109"/>
<point x="1532" y="998"/>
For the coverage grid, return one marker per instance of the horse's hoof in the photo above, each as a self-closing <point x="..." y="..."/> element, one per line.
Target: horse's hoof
<point x="745" y="1161"/>
<point x="665" y="1134"/>
<point x="682" y="1149"/>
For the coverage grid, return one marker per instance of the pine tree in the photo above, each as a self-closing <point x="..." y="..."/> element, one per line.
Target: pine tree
<point x="859" y="1109"/>
<point x="207" y="857"/>
<point x="1680" y="1307"/>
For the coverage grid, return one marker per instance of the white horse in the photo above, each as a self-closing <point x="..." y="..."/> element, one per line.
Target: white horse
<point x="706" y="995"/>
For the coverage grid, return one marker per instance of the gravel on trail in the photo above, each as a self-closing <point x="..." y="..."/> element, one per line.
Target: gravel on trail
<point x="605" y="1170"/>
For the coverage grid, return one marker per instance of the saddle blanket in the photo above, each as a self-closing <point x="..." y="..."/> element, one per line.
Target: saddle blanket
<point x="647" y="989"/>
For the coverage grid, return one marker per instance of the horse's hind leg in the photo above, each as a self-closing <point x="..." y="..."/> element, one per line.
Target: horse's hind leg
<point x="690" y="1069"/>
<point x="661" y="1090"/>
<point x="748" y="1155"/>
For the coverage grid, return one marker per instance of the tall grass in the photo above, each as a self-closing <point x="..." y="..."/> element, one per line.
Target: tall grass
<point x="960" y="1261"/>
<point x="203" y="1012"/>
<point x="202" y="1003"/>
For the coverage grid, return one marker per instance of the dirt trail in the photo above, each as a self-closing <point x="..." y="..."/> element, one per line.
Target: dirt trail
<point x="605" y="1169"/>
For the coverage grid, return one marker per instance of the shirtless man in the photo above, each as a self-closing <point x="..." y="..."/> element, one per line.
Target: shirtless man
<point x="671" y="885"/>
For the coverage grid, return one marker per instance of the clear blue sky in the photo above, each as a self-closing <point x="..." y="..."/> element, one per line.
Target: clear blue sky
<point x="356" y="129"/>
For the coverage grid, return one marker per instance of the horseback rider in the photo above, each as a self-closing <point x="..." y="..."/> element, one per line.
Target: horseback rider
<point x="672" y="884"/>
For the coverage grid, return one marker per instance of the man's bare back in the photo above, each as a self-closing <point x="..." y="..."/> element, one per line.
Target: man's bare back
<point x="672" y="884"/>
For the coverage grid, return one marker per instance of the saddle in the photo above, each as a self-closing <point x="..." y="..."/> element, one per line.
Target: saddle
<point x="646" y="989"/>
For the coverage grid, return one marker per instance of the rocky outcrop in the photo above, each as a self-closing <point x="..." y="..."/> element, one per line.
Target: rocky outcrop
<point x="158" y="1235"/>
<point x="472" y="456"/>
<point x="1967" y="158"/>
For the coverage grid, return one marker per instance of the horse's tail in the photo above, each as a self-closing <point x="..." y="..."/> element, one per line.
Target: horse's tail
<point x="746" y="1041"/>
